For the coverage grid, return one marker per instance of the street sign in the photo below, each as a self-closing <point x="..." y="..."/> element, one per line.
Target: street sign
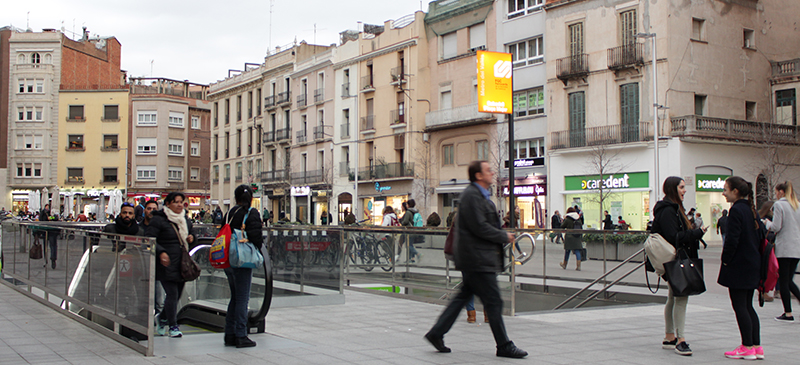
<point x="495" y="82"/>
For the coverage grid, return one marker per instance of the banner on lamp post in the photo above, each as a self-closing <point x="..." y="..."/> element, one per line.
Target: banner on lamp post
<point x="495" y="82"/>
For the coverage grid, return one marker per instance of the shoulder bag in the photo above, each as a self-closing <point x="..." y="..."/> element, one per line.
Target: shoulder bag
<point x="658" y="251"/>
<point x="685" y="275"/>
<point x="190" y="270"/>
<point x="242" y="253"/>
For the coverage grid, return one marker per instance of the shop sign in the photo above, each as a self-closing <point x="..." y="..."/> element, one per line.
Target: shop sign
<point x="528" y="162"/>
<point x="380" y="188"/>
<point x="194" y="201"/>
<point x="322" y="193"/>
<point x="629" y="180"/>
<point x="278" y="191"/>
<point x="495" y="82"/>
<point x="301" y="191"/>
<point x="226" y="201"/>
<point x="706" y="182"/>
<point x="214" y="201"/>
<point x="527" y="190"/>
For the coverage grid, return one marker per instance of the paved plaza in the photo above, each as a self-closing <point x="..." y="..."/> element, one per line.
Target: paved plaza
<point x="378" y="329"/>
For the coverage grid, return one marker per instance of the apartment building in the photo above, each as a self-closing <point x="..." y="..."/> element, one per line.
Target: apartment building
<point x="5" y="70"/>
<point x="718" y="69"/>
<point x="170" y="140"/>
<point x="345" y="132"/>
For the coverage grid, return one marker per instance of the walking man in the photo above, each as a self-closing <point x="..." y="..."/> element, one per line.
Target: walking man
<point x="479" y="256"/>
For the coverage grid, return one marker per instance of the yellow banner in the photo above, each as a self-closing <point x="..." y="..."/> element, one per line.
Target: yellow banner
<point x="495" y="82"/>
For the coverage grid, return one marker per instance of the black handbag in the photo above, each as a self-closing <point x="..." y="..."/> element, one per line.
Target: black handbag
<point x="36" y="251"/>
<point x="190" y="270"/>
<point x="685" y="275"/>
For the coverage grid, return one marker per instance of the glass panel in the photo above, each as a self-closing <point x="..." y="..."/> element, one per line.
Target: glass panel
<point x="102" y="275"/>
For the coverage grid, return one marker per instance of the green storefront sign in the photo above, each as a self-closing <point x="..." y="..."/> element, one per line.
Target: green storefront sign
<point x="707" y="182"/>
<point x="625" y="180"/>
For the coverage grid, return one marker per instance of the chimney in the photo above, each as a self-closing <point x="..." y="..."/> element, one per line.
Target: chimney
<point x="85" y="35"/>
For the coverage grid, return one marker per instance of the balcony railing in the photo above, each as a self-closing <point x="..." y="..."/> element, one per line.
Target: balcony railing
<point x="398" y="74"/>
<point x="301" y="101"/>
<point x="319" y="96"/>
<point x="269" y="101"/>
<point x="603" y="135"/>
<point x="344" y="168"/>
<point x="345" y="130"/>
<point x="319" y="132"/>
<point x="397" y="116"/>
<point x="269" y="136"/>
<point x="366" y="83"/>
<point x="282" y="134"/>
<point x="270" y="176"/>
<point x="734" y="130"/>
<point x="346" y="90"/>
<point x="392" y="170"/>
<point x="284" y="97"/>
<point x="458" y="116"/>
<point x="572" y="66"/>
<point x="786" y="68"/>
<point x="625" y="56"/>
<point x="368" y="123"/>
<point x="226" y="179"/>
<point x="307" y="177"/>
<point x="301" y="136"/>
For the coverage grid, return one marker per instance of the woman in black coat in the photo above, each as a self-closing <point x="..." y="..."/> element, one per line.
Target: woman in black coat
<point x="239" y="279"/>
<point x="172" y="229"/>
<point x="740" y="271"/>
<point x="670" y="221"/>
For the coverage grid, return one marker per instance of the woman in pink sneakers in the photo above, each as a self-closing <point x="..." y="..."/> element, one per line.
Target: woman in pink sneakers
<point x="741" y="263"/>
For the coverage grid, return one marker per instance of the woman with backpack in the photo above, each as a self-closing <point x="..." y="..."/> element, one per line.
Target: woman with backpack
<point x="239" y="278"/>
<point x="786" y="225"/>
<point x="672" y="223"/>
<point x="572" y="241"/>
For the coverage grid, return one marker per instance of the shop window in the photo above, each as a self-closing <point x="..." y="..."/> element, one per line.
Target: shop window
<point x="111" y="112"/>
<point x="110" y="175"/>
<point x="448" y="154"/>
<point x="110" y="142"/>
<point x="75" y="142"/>
<point x="76" y="112"/>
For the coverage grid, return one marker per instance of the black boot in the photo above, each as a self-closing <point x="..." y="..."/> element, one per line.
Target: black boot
<point x="245" y="341"/>
<point x="53" y="264"/>
<point x="511" y="350"/>
<point x="437" y="342"/>
<point x="230" y="340"/>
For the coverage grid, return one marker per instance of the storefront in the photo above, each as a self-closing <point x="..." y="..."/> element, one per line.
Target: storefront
<point x="625" y="194"/>
<point x="710" y="202"/>
<point x="300" y="197"/>
<point x="19" y="201"/>
<point x="321" y="207"/>
<point x="376" y="196"/>
<point x="531" y="195"/>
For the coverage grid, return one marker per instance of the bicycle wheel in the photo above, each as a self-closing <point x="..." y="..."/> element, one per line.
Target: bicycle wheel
<point x="365" y="255"/>
<point x="385" y="254"/>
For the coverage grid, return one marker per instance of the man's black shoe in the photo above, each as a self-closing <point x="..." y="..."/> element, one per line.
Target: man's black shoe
<point x="242" y="342"/>
<point x="230" y="340"/>
<point x="437" y="342"/>
<point x="512" y="351"/>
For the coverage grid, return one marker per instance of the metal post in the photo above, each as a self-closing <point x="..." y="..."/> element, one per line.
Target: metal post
<point x="655" y="120"/>
<point x="511" y="211"/>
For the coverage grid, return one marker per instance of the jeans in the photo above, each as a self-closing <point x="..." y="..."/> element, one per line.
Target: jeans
<point x="159" y="302"/>
<point x="173" y="290"/>
<point x="484" y="285"/>
<point x="786" y="270"/>
<point x="746" y="317"/>
<point x="239" y="280"/>
<point x="577" y="255"/>
<point x="675" y="314"/>
<point x="52" y="245"/>
<point x="471" y="303"/>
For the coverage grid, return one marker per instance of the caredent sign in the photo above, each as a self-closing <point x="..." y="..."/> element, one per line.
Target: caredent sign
<point x="708" y="182"/>
<point x="610" y="183"/>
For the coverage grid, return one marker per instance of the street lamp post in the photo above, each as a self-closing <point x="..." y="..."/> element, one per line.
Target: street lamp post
<point x="656" y="179"/>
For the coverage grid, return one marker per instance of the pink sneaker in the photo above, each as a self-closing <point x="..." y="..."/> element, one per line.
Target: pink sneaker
<point x="742" y="352"/>
<point x="759" y="353"/>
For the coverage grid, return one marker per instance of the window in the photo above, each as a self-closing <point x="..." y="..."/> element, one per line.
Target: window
<point x="629" y="112"/>
<point x="75" y="112"/>
<point x="750" y="111"/>
<point x="175" y="173"/>
<point x="195" y="122"/>
<point x="227" y="172"/>
<point x="31" y="85"/>
<point x="194" y="174"/>
<point x="29" y="170"/>
<point x="530" y="148"/>
<point x="30" y="114"/>
<point x="449" y="45"/>
<point x="146" y="146"/>
<point x="175" y="147"/>
<point x="627" y="27"/>
<point x="216" y="173"/>
<point x="517" y="8"/>
<point x="75" y="141"/>
<point x="577" y="119"/>
<point x="110" y="142"/>
<point x="195" y="149"/>
<point x="477" y="36"/>
<point x="29" y="142"/>
<point x="111" y="112"/>
<point x="40" y="86"/>
<point x="147" y="118"/>
<point x="238" y="142"/>
<point x="446" y="100"/>
<point x="238" y="171"/>
<point x="110" y="174"/>
<point x="36" y="58"/>
<point x="21" y="59"/>
<point x="447" y="154"/>
<point x="575" y="39"/>
<point x="145" y="173"/>
<point x="528" y="52"/>
<point x="698" y="29"/>
<point x="700" y="104"/>
<point x="75" y="174"/>
<point x="238" y="108"/>
<point x="529" y="102"/>
<point x="176" y="120"/>
<point x="258" y="167"/>
<point x="785" y="106"/>
<point x="482" y="149"/>
<point x="749" y="39"/>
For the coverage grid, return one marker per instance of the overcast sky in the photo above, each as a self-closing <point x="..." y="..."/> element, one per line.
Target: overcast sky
<point x="200" y="40"/>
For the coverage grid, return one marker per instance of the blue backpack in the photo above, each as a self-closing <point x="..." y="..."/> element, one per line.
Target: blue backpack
<point x="418" y="220"/>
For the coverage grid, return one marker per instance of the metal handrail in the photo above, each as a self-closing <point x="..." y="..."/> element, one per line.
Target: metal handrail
<point x="601" y="277"/>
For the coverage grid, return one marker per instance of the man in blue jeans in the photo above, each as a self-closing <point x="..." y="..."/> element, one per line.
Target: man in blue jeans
<point x="478" y="255"/>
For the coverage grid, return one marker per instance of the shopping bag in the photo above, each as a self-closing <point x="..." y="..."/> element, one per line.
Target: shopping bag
<point x="685" y="275"/>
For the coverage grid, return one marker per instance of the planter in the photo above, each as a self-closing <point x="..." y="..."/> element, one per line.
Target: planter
<point x="618" y="246"/>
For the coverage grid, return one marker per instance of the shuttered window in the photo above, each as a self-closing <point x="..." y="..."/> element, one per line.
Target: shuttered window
<point x="627" y="26"/>
<point x="576" y="39"/>
<point x="629" y="112"/>
<point x="577" y="119"/>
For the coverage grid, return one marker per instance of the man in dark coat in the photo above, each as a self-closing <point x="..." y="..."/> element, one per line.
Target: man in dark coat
<point x="555" y="223"/>
<point x="139" y="210"/>
<point x="478" y="252"/>
<point x="124" y="224"/>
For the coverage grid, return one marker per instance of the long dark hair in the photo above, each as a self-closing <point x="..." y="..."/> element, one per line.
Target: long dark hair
<point x="745" y="189"/>
<point x="670" y="189"/>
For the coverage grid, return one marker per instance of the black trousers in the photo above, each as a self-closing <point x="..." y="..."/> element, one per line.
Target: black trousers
<point x="786" y="269"/>
<point x="173" y="290"/>
<point x="746" y="317"/>
<point x="484" y="285"/>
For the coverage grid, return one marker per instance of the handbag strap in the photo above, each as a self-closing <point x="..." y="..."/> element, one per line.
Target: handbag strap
<point x="184" y="244"/>
<point x="231" y="214"/>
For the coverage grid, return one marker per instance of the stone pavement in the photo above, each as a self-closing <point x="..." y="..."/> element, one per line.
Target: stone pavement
<point x="378" y="329"/>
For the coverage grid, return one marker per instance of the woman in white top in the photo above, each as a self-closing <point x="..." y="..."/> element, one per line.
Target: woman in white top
<point x="786" y="225"/>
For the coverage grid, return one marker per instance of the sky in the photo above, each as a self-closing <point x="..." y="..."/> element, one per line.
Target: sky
<point x="200" y="40"/>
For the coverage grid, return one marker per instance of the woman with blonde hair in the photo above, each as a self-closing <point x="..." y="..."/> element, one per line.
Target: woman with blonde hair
<point x="786" y="225"/>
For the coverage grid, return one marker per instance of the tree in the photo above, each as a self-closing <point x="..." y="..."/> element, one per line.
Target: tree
<point x="603" y="162"/>
<point x="775" y="158"/>
<point x="498" y="155"/>
<point x="423" y="171"/>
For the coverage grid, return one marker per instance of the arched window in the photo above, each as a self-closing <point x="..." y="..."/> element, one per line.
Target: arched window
<point x="35" y="58"/>
<point x="21" y="59"/>
<point x="48" y="58"/>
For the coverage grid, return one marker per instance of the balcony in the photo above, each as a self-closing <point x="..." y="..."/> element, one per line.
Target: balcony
<point x="319" y="132"/>
<point x="368" y="123"/>
<point x="238" y="178"/>
<point x="571" y="67"/>
<point x="269" y="101"/>
<point x="75" y="118"/>
<point x="785" y="71"/>
<point x="282" y="134"/>
<point x="397" y="117"/>
<point x="283" y="98"/>
<point x="344" y="168"/>
<point x="456" y="117"/>
<point x="74" y="180"/>
<point x="699" y="127"/>
<point x="269" y="137"/>
<point x="307" y="177"/>
<point x="627" y="56"/>
<point x="345" y="130"/>
<point x="346" y="90"/>
<point x="398" y="75"/>
<point x="227" y="179"/>
<point x="301" y="101"/>
<point x="301" y="136"/>
<point x="319" y="96"/>
<point x="273" y="176"/>
<point x="392" y="170"/>
<point x="603" y="135"/>
<point x="366" y="84"/>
